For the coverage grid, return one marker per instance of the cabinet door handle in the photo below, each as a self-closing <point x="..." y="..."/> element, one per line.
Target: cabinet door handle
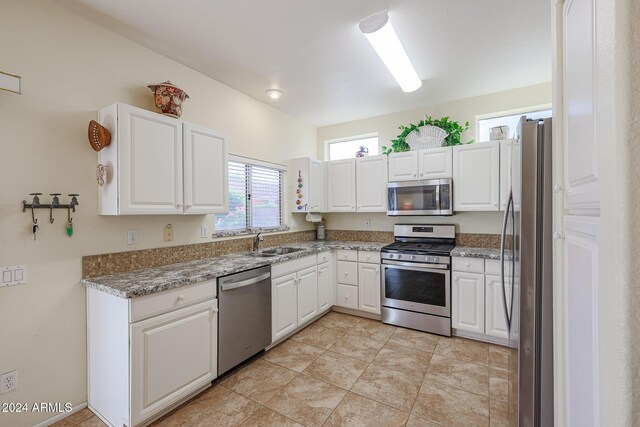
<point x="346" y="297"/>
<point x="178" y="205"/>
<point x="180" y="297"/>
<point x="346" y="273"/>
<point x="468" y="264"/>
<point x="558" y="236"/>
<point x="187" y="206"/>
<point x="215" y="310"/>
<point x="414" y="175"/>
<point x="558" y="188"/>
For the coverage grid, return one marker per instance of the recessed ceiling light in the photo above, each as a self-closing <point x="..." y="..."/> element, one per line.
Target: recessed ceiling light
<point x="274" y="93"/>
<point x="380" y="33"/>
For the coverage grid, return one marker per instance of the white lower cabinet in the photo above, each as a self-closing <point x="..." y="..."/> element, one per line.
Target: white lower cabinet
<point x="467" y="302"/>
<point x="307" y="294"/>
<point x="369" y="287"/>
<point x="285" y="306"/>
<point x="495" y="321"/>
<point x="294" y="295"/>
<point x="325" y="286"/>
<point x="148" y="354"/>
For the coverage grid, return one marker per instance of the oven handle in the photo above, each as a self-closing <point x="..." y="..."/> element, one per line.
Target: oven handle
<point x="434" y="268"/>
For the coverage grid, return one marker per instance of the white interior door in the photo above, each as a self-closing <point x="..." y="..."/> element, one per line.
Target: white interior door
<point x="206" y="164"/>
<point x="172" y="356"/>
<point x="150" y="156"/>
<point x="371" y="177"/>
<point x="307" y="294"/>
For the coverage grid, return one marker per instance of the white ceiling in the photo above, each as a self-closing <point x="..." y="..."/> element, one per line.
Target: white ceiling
<point x="314" y="51"/>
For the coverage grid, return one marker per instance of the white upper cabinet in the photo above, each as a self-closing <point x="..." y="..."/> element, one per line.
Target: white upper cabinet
<point x="403" y="166"/>
<point x="312" y="173"/>
<point x="371" y="192"/>
<point x="341" y="185"/>
<point x="435" y="163"/>
<point x="581" y="151"/>
<point x="146" y="167"/>
<point x="509" y="155"/>
<point x="206" y="160"/>
<point x="476" y="177"/>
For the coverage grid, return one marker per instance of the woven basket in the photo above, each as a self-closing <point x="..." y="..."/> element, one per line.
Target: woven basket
<point x="428" y="137"/>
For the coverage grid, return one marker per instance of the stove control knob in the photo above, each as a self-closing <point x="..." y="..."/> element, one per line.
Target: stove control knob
<point x="390" y="256"/>
<point x="436" y="259"/>
<point x="427" y="259"/>
<point x="413" y="257"/>
<point x="399" y="256"/>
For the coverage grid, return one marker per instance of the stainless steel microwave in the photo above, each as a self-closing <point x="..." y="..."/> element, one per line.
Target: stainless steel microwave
<point x="427" y="197"/>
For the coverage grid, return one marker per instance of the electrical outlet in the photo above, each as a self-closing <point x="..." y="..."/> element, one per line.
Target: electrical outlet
<point x="168" y="233"/>
<point x="204" y="231"/>
<point x="132" y="237"/>
<point x="8" y="382"/>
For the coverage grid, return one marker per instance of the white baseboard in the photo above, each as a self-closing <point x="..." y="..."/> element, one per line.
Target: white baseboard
<point x="62" y="416"/>
<point x="479" y="337"/>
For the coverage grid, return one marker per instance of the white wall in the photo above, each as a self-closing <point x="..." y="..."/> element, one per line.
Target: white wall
<point x="387" y="129"/>
<point x="70" y="68"/>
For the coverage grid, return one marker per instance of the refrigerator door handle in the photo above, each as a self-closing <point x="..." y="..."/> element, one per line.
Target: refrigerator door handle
<point x="503" y="237"/>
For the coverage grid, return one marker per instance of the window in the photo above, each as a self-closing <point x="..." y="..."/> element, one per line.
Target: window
<point x="487" y="122"/>
<point x="346" y="148"/>
<point x="255" y="197"/>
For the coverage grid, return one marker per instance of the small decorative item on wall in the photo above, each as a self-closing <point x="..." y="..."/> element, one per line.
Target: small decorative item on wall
<point x="168" y="98"/>
<point x="99" y="136"/>
<point x="362" y="152"/>
<point x="299" y="192"/>
<point x="422" y="132"/>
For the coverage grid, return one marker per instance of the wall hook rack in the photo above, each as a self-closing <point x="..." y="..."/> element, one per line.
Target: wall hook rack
<point x="55" y="204"/>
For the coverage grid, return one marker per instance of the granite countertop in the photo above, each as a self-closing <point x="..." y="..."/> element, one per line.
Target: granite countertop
<point x="486" y="253"/>
<point x="150" y="280"/>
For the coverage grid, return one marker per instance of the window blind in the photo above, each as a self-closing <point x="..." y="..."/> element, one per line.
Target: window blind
<point x="255" y="198"/>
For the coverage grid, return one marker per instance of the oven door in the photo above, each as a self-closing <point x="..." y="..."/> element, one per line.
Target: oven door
<point x="422" y="289"/>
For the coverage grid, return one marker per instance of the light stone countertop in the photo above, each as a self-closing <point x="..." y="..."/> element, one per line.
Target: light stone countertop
<point x="486" y="253"/>
<point x="137" y="283"/>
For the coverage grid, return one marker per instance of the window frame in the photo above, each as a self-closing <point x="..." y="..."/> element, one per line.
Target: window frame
<point x="514" y="111"/>
<point x="328" y="142"/>
<point x="249" y="228"/>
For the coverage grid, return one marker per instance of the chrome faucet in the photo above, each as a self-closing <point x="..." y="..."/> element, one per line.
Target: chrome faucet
<point x="256" y="242"/>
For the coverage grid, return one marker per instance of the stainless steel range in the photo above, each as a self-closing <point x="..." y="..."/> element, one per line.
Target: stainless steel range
<point x="416" y="278"/>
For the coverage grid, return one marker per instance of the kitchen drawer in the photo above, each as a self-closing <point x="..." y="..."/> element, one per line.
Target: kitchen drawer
<point x="324" y="257"/>
<point x="346" y="255"/>
<point x="369" y="256"/>
<point x="172" y="299"/>
<point x="492" y="267"/>
<point x="470" y="265"/>
<point x="286" y="267"/>
<point x="347" y="273"/>
<point x="347" y="296"/>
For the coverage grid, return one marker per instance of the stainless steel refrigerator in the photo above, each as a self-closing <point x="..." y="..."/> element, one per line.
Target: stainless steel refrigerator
<point x="527" y="281"/>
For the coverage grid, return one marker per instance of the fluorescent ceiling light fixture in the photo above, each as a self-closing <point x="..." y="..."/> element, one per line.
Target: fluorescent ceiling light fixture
<point x="274" y="93"/>
<point x="10" y="82"/>
<point x="380" y="33"/>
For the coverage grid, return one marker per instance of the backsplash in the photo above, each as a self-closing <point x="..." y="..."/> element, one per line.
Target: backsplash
<point x="100" y="265"/>
<point x="478" y="240"/>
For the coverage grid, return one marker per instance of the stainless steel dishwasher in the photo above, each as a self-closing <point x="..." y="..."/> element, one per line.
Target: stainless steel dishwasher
<point x="244" y="319"/>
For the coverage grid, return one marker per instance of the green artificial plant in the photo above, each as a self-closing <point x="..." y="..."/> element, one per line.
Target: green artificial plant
<point x="452" y="128"/>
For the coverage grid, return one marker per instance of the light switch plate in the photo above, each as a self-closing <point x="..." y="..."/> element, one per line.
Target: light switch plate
<point x="204" y="231"/>
<point x="13" y="275"/>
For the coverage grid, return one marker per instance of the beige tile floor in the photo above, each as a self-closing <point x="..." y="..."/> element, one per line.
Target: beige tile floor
<point x="349" y="371"/>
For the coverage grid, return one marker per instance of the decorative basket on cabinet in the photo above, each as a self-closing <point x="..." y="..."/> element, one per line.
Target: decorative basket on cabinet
<point x="426" y="137"/>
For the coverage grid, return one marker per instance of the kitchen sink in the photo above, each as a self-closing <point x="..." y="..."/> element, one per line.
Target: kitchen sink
<point x="274" y="252"/>
<point x="280" y="251"/>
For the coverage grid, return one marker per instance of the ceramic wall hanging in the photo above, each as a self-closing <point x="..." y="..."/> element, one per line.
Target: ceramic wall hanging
<point x="168" y="98"/>
<point x="99" y="136"/>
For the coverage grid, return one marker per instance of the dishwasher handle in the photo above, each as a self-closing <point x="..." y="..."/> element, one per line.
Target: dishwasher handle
<point x="252" y="281"/>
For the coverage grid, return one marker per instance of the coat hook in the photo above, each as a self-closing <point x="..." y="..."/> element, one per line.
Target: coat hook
<point x="55" y="203"/>
<point x="74" y="201"/>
